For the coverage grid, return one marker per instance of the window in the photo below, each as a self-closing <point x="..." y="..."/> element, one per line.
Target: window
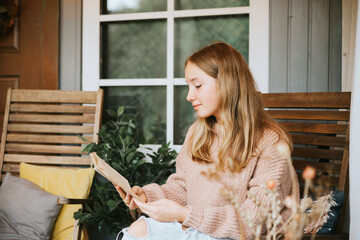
<point x="136" y="50"/>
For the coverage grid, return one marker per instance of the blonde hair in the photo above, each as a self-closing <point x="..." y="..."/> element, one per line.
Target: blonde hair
<point x="241" y="111"/>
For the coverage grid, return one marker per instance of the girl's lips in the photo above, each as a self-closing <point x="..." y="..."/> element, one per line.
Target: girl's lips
<point x="196" y="106"/>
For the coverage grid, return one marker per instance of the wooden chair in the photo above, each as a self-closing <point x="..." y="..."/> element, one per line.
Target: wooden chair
<point x="319" y="127"/>
<point x="43" y="127"/>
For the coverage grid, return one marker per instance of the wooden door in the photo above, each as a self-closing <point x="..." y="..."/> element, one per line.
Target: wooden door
<point x="29" y="52"/>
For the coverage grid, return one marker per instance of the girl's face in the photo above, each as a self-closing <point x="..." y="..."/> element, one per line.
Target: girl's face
<point x="203" y="93"/>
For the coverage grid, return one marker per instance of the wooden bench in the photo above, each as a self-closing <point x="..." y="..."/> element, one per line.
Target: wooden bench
<point x="319" y="127"/>
<point x="42" y="127"/>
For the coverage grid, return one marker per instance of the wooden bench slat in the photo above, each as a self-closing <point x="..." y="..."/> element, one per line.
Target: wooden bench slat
<point x="10" y="167"/>
<point x="339" y="100"/>
<point x="17" y="158"/>
<point x="40" y="128"/>
<point x="47" y="118"/>
<point x="51" y="108"/>
<point x="53" y="96"/>
<point x="318" y="140"/>
<point x="38" y="148"/>
<point x="310" y="115"/>
<point x="315" y="128"/>
<point x="14" y="168"/>
<point x="317" y="153"/>
<point x="319" y="166"/>
<point x="34" y="138"/>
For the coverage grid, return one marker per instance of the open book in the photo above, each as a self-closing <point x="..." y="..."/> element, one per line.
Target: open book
<point x="112" y="175"/>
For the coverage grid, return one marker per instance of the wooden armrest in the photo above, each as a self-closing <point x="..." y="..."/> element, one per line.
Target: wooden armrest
<point x="63" y="200"/>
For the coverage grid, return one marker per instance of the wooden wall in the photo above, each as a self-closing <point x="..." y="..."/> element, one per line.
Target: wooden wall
<point x="305" y="45"/>
<point x="29" y="54"/>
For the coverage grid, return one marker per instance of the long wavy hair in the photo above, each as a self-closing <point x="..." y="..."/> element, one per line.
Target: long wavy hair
<point x="242" y="115"/>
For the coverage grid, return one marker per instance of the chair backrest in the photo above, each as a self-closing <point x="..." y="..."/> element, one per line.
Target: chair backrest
<point x="43" y="127"/>
<point x="319" y="127"/>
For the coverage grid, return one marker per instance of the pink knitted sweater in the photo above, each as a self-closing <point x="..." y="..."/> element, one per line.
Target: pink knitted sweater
<point x="210" y="212"/>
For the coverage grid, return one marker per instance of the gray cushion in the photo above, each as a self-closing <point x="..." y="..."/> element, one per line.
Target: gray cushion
<point x="26" y="211"/>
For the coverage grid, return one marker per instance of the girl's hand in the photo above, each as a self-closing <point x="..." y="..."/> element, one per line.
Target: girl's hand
<point x="128" y="199"/>
<point x="164" y="210"/>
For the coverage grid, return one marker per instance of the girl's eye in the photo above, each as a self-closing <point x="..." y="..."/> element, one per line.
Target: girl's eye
<point x="198" y="86"/>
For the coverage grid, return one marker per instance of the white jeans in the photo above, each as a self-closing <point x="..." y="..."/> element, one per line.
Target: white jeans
<point x="167" y="231"/>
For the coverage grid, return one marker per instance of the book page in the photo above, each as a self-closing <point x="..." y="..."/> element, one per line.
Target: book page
<point x="112" y="175"/>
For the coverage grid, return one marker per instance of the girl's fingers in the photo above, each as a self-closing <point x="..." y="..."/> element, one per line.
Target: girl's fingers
<point x="145" y="207"/>
<point x="127" y="199"/>
<point x="136" y="190"/>
<point x="132" y="204"/>
<point x="120" y="191"/>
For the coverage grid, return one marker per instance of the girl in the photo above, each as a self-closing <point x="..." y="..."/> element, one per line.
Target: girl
<point x="234" y="137"/>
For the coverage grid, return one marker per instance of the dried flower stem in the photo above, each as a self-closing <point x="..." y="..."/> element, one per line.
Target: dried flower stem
<point x="307" y="186"/>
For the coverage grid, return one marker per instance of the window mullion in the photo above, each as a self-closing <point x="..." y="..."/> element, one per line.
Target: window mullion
<point x="133" y="16"/>
<point x="134" y="82"/>
<point x="170" y="74"/>
<point x="211" y="12"/>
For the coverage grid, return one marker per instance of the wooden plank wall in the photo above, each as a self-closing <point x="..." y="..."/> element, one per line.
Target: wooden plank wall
<point x="305" y="45"/>
<point x="29" y="53"/>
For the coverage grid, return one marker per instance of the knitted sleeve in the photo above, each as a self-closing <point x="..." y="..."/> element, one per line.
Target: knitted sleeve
<point x="224" y="222"/>
<point x="175" y="186"/>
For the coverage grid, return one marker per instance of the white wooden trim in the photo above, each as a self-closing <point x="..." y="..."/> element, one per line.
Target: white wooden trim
<point x="180" y="81"/>
<point x="354" y="163"/>
<point x="170" y="73"/>
<point x="133" y="16"/>
<point x="177" y="147"/>
<point x="259" y="43"/>
<point x="91" y="46"/>
<point x="176" y="14"/>
<point x="133" y="82"/>
<point x="211" y="12"/>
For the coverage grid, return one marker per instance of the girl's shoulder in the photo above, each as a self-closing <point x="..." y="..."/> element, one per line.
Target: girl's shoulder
<point x="268" y="137"/>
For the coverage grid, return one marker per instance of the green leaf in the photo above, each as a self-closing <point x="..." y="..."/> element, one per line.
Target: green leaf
<point x="139" y="163"/>
<point x="87" y="148"/>
<point x="111" y="112"/>
<point x="78" y="214"/>
<point x="97" y="207"/>
<point x="82" y="138"/>
<point x="111" y="203"/>
<point x="120" y="110"/>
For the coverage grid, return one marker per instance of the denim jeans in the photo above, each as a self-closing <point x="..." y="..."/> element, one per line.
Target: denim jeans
<point x="167" y="231"/>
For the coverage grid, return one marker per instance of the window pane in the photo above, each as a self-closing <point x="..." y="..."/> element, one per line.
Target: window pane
<point x="191" y="4"/>
<point x="184" y="114"/>
<point x="130" y="6"/>
<point x="133" y="49"/>
<point x="193" y="33"/>
<point x="148" y="102"/>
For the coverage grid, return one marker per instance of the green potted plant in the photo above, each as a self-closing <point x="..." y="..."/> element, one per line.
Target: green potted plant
<point x="119" y="142"/>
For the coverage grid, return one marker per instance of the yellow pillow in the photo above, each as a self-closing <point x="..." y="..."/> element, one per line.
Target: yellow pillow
<point x="70" y="183"/>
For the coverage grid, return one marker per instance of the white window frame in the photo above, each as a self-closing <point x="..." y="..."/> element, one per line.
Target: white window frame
<point x="258" y="11"/>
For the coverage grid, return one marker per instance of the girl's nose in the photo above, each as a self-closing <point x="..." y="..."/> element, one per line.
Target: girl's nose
<point x="190" y="96"/>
